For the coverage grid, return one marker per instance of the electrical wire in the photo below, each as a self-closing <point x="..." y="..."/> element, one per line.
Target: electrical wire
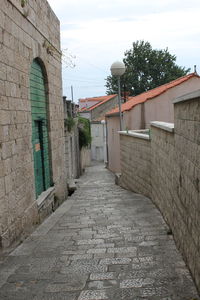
<point x="85" y="86"/>
<point x="82" y="80"/>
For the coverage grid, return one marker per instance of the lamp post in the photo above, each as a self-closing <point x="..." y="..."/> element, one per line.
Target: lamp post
<point x="118" y="69"/>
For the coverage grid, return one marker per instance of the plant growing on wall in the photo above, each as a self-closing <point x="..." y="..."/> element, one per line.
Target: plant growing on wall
<point x="49" y="47"/>
<point x="23" y="2"/>
<point x="25" y="8"/>
<point x="69" y="123"/>
<point x="84" y="132"/>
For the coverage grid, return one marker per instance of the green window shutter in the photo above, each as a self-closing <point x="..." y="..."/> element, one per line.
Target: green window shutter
<point x="39" y="129"/>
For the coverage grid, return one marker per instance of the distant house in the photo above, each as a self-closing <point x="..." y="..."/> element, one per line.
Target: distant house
<point x="96" y="114"/>
<point x="139" y="111"/>
<point x="88" y="102"/>
<point x="99" y="109"/>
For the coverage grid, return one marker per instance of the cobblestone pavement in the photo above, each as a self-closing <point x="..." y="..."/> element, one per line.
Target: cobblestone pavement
<point x="102" y="243"/>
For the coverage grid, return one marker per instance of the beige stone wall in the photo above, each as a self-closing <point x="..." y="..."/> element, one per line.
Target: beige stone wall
<point x="174" y="180"/>
<point x="26" y="33"/>
<point x="72" y="153"/>
<point x="85" y="156"/>
<point x="163" y="168"/>
<point x="136" y="163"/>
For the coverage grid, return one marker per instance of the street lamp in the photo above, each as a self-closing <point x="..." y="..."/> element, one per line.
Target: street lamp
<point x="118" y="69"/>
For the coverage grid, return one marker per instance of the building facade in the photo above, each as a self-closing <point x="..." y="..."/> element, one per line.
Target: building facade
<point x="32" y="169"/>
<point x="139" y="111"/>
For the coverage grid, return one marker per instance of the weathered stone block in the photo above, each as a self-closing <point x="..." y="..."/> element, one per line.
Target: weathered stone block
<point x="2" y="187"/>
<point x="10" y="182"/>
<point x="2" y="88"/>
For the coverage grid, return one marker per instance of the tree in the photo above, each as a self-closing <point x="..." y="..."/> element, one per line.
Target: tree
<point x="146" y="68"/>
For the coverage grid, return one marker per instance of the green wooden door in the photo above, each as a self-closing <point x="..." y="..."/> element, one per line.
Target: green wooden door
<point x="38" y="159"/>
<point x="39" y="129"/>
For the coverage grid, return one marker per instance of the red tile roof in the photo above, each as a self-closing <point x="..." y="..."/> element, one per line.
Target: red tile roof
<point x="83" y="108"/>
<point x="100" y="99"/>
<point x="105" y="99"/>
<point x="151" y="94"/>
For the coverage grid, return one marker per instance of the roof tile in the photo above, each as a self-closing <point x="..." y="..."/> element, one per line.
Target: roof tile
<point x="104" y="99"/>
<point x="101" y="98"/>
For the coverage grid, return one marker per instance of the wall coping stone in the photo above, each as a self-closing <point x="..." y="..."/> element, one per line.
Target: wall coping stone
<point x="135" y="133"/>
<point x="187" y="97"/>
<point x="163" y="125"/>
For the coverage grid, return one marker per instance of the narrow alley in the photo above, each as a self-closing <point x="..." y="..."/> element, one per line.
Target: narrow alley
<point x="102" y="243"/>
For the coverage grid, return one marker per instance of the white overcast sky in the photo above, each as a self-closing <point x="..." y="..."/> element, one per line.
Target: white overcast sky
<point x="98" y="32"/>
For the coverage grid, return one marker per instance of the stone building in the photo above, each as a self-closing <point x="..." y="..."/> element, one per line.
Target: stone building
<point x="32" y="169"/>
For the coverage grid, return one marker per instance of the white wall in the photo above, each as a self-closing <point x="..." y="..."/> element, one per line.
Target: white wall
<point x="97" y="145"/>
<point x="86" y="115"/>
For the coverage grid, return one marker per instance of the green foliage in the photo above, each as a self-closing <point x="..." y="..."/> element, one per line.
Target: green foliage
<point x="23" y="2"/>
<point x="146" y="68"/>
<point x="69" y="123"/>
<point x="84" y="132"/>
<point x="49" y="47"/>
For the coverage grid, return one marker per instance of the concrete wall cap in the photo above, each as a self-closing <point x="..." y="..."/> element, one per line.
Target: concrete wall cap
<point x="135" y="134"/>
<point x="187" y="97"/>
<point x="163" y="125"/>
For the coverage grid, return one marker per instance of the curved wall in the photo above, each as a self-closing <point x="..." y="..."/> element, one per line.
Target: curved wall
<point x="172" y="175"/>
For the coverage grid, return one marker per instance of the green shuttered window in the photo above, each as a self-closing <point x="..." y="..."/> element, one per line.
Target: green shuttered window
<point x="39" y="129"/>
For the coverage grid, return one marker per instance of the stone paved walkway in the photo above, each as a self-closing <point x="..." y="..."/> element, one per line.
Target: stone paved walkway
<point x="102" y="243"/>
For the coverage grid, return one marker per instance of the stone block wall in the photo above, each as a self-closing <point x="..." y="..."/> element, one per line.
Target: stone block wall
<point x="187" y="157"/>
<point x="72" y="153"/>
<point x="175" y="180"/>
<point x="85" y="158"/>
<point x="136" y="162"/>
<point x="163" y="169"/>
<point x="173" y="160"/>
<point x="26" y="33"/>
